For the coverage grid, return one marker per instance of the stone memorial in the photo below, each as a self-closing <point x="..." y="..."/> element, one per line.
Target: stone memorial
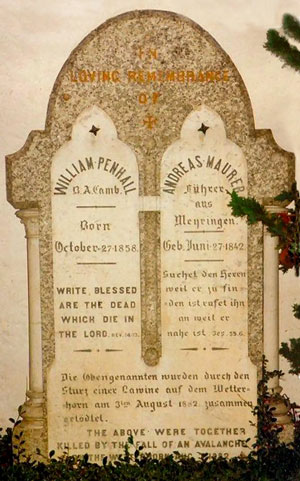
<point x="146" y="296"/>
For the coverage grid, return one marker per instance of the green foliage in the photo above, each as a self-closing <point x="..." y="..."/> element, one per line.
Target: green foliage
<point x="291" y="26"/>
<point x="288" y="196"/>
<point x="296" y="311"/>
<point x="247" y="207"/>
<point x="280" y="463"/>
<point x="291" y="352"/>
<point x="6" y="451"/>
<point x="254" y="212"/>
<point x="280" y="46"/>
<point x="267" y="430"/>
<point x="286" y="225"/>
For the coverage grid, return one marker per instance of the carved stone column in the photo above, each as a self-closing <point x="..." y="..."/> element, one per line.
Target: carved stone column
<point x="271" y="318"/>
<point x="32" y="410"/>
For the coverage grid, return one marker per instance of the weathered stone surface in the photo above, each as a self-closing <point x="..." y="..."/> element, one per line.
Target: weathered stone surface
<point x="146" y="79"/>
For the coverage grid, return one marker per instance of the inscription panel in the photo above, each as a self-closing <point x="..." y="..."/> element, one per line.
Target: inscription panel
<point x="95" y="240"/>
<point x="204" y="271"/>
<point x="96" y="273"/>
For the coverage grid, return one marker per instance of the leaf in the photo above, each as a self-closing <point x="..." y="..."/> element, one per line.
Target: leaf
<point x="296" y="311"/>
<point x="104" y="462"/>
<point x="247" y="207"/>
<point x="51" y="454"/>
<point x="281" y="48"/>
<point x="285" y="195"/>
<point x="291" y="26"/>
<point x="292" y="354"/>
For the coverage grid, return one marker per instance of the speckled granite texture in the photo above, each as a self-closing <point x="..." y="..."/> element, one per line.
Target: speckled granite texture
<point x="118" y="45"/>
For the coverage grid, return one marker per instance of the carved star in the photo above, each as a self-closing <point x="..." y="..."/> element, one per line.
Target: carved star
<point x="203" y="128"/>
<point x="94" y="130"/>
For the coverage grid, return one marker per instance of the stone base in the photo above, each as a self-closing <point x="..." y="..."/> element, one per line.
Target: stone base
<point x="34" y="444"/>
<point x="29" y="440"/>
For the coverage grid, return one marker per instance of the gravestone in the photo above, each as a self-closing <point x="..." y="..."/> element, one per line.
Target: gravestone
<point x="145" y="294"/>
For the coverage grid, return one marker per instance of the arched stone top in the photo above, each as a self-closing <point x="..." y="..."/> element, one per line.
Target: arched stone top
<point x="147" y="69"/>
<point x="181" y="45"/>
